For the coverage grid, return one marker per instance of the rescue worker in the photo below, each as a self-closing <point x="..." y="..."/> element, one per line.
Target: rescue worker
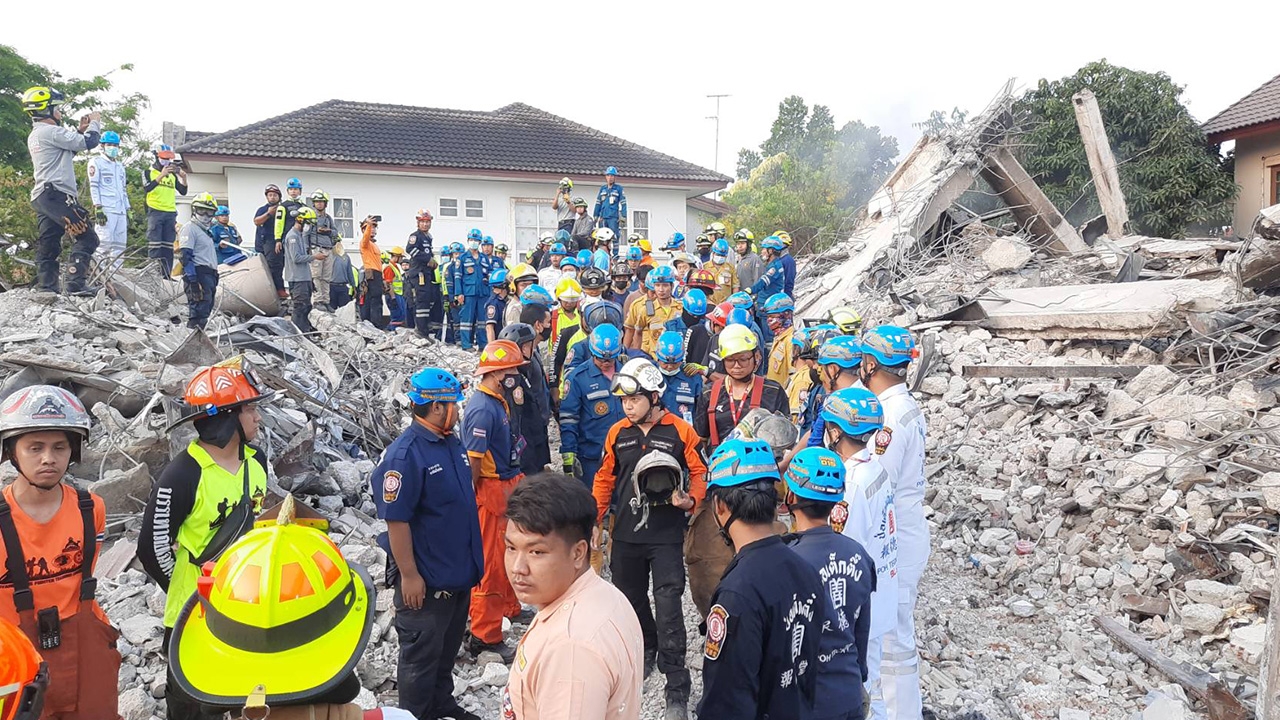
<point x="811" y="405"/>
<point x="722" y="405"/>
<point x="322" y="238"/>
<point x="682" y="388"/>
<point x="725" y="273"/>
<point x="642" y="482"/>
<point x="716" y="230"/>
<point x="495" y="471"/>
<point x="522" y="276"/>
<point x="345" y="281"/>
<point x="593" y="281"/>
<point x="846" y="320"/>
<point x="535" y="405"/>
<point x="199" y="261"/>
<point x="588" y="409"/>
<point x="393" y="281"/>
<point x="422" y="293"/>
<point x="611" y="204"/>
<point x="805" y="372"/>
<point x="853" y="428"/>
<point x="298" y="260"/>
<point x="788" y="263"/>
<point x="25" y="675"/>
<point x="773" y="280"/>
<point x="887" y="352"/>
<point x="750" y="266"/>
<point x="226" y="237"/>
<point x="648" y="319"/>
<point x="778" y="311"/>
<point x="538" y="257"/>
<point x="109" y="192"/>
<point x="675" y="242"/>
<point x="621" y="281"/>
<point x="602" y="313"/>
<point x="815" y="496"/>
<point x="54" y="192"/>
<point x="491" y="261"/>
<point x="206" y="497"/>
<point x="50" y="536"/>
<point x="500" y="253"/>
<point x="550" y="275"/>
<point x="287" y="211"/>
<point x="450" y="254"/>
<point x="584" y="226"/>
<point x="581" y="657"/>
<point x="761" y="656"/>
<point x="264" y="238"/>
<point x="692" y="326"/>
<point x="704" y="248"/>
<point x="162" y="183"/>
<point x="565" y="321"/>
<point x="602" y="256"/>
<point x="839" y="359"/>
<point x="423" y="491"/>
<point x="469" y="289"/>
<point x="495" y="308"/>
<point x="569" y="268"/>
<point x="310" y="613"/>
<point x="563" y="204"/>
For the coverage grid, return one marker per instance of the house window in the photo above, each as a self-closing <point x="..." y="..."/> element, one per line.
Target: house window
<point x="344" y="216"/>
<point x="475" y="209"/>
<point x="448" y="207"/>
<point x="532" y="218"/>
<point x="639" y="223"/>
<point x="1275" y="186"/>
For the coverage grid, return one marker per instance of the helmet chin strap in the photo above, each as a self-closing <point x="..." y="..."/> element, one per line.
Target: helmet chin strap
<point x="724" y="529"/>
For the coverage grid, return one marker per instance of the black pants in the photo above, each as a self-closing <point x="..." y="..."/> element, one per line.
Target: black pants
<point x="371" y="310"/>
<point x="52" y="208"/>
<point x="300" y="297"/>
<point x="179" y="704"/>
<point x="425" y="293"/>
<point x="632" y="564"/>
<point x="162" y="229"/>
<point x="200" y="295"/>
<point x="566" y="225"/>
<point x="275" y="263"/>
<point x="429" y="641"/>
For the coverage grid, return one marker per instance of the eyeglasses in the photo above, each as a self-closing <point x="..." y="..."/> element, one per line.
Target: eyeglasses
<point x="739" y="360"/>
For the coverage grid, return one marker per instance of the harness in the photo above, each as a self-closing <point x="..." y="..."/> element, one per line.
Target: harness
<point x="757" y="392"/>
<point x="23" y="600"/>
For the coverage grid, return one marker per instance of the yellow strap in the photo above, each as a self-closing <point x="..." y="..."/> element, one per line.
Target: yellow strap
<point x="256" y="701"/>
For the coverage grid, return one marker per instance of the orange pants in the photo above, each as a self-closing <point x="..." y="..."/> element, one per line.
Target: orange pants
<point x="493" y="599"/>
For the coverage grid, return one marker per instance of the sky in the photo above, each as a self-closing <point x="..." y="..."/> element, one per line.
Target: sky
<point x="640" y="71"/>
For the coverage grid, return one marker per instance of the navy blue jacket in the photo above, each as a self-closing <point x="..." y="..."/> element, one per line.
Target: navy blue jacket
<point x="789" y="275"/>
<point x="419" y="249"/>
<point x="681" y="395"/>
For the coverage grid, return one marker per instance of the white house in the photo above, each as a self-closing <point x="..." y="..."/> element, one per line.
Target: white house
<point x="496" y="171"/>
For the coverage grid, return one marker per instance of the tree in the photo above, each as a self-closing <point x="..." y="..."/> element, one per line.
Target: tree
<point x="1172" y="177"/>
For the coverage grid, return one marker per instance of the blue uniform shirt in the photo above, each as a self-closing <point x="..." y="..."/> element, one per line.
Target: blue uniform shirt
<point x="761" y="652"/>
<point x="495" y="309"/>
<point x="226" y="233"/>
<point x="611" y="202"/>
<point x="600" y="258"/>
<point x="419" y="249"/>
<point x="811" y="415"/>
<point x="469" y="278"/>
<point x="587" y="411"/>
<point x="850" y="578"/>
<point x="789" y="274"/>
<point x="424" y="480"/>
<point x="486" y="433"/>
<point x="682" y="394"/>
<point x="773" y="280"/>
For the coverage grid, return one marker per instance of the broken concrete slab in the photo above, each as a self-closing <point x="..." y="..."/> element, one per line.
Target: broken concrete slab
<point x="1007" y="254"/>
<point x="1027" y="201"/>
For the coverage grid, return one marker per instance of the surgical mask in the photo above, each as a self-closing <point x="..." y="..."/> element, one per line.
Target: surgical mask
<point x="473" y="246"/>
<point x="111" y="151"/>
<point x="164" y="162"/>
<point x="718" y="258"/>
<point x="670" y="372"/>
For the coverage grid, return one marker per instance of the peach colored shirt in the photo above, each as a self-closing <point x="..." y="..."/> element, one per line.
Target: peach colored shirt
<point x="582" y="658"/>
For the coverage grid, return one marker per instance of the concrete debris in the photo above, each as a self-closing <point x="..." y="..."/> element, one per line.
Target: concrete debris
<point x="1007" y="255"/>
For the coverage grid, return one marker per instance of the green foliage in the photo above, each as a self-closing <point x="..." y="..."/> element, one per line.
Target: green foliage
<point x="940" y="124"/>
<point x="1172" y="178"/>
<point x="808" y="177"/>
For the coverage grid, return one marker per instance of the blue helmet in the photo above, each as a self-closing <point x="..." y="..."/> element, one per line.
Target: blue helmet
<point x="842" y="351"/>
<point x="604" y="313"/>
<point x="739" y="316"/>
<point x="741" y="300"/>
<point x="773" y="242"/>
<point x="739" y="462"/>
<point x="536" y="295"/>
<point x="498" y="277"/>
<point x="487" y="240"/>
<point x="557" y="249"/>
<point x="434" y="385"/>
<point x="169" y="148"/>
<point x="816" y="473"/>
<point x="695" y="302"/>
<point x="635" y="253"/>
<point x="569" y="261"/>
<point x="294" y="184"/>
<point x="605" y="342"/>
<point x="457" y="248"/>
<point x="856" y="411"/>
<point x="110" y="137"/>
<point x="675" y="242"/>
<point x="611" y="170"/>
<point x="222" y="210"/>
<point x="778" y="303"/>
<point x="720" y="247"/>
<point x="475" y="234"/>
<point x="661" y="274"/>
<point x="670" y="347"/>
<point x="446" y="251"/>
<point x="584" y="258"/>
<point x="890" y="345"/>
<point x="563" y="236"/>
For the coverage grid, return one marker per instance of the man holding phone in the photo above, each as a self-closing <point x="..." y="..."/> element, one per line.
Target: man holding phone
<point x="165" y="180"/>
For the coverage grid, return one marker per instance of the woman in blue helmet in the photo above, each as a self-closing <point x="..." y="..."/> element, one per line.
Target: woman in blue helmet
<point x="683" y="387"/>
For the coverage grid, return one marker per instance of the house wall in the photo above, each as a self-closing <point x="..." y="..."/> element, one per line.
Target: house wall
<point x="399" y="197"/>
<point x="1254" y="155"/>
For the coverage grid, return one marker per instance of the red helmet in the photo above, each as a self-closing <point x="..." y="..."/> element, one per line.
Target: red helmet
<point x="701" y="278"/>
<point x="23" y="675"/>
<point x="720" y="314"/>
<point x="424" y="214"/>
<point x="272" y="188"/>
<point x="500" y="355"/>
<point x="227" y="385"/>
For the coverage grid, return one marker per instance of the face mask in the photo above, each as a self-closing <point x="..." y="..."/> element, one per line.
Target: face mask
<point x="670" y="372"/>
<point x="621" y="284"/>
<point x="828" y="441"/>
<point x="203" y="221"/>
<point x="718" y="259"/>
<point x="111" y="151"/>
<point x="689" y="318"/>
<point x="545" y="333"/>
<point x="164" y="162"/>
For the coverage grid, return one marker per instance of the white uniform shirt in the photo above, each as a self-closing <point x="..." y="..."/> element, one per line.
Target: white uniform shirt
<point x="107" y="185"/>
<point x="901" y="451"/>
<point x="872" y="521"/>
<point x="548" y="277"/>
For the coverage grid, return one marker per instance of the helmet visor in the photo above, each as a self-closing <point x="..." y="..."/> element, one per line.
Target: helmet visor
<point x="624" y="385"/>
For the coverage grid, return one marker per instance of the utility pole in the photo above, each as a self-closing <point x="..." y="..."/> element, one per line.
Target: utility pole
<point x="716" y="117"/>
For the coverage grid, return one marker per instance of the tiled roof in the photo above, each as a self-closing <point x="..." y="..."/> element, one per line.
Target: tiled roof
<point x="1260" y="106"/>
<point x="516" y="137"/>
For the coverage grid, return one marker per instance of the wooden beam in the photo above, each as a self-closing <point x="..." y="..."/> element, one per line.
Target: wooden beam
<point x="1028" y="202"/>
<point x="1102" y="163"/>
<point x="1051" y="371"/>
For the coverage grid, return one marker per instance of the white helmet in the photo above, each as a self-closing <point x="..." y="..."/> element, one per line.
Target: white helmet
<point x="603" y="234"/>
<point x="638" y="375"/>
<point x="44" y="407"/>
<point x="547" y="237"/>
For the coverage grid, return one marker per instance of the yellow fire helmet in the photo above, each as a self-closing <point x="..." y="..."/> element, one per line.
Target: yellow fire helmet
<point x="281" y="608"/>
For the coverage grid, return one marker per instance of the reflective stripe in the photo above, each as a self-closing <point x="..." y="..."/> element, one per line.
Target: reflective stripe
<point x="685" y="398"/>
<point x="568" y="419"/>
<point x="598" y="395"/>
<point x="900" y="656"/>
<point x="898" y="669"/>
<point x="874" y="487"/>
<point x="911" y="417"/>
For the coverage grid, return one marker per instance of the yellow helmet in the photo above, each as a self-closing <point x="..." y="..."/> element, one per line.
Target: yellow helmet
<point x="386" y="256"/>
<point x="645" y="245"/>
<point x="847" y="319"/>
<point x="524" y="271"/>
<point x="281" y="609"/>
<point x="568" y="289"/>
<point x="784" y="236"/>
<point x="306" y="214"/>
<point x="397" y="250"/>
<point x="204" y="201"/>
<point x="737" y="339"/>
<point x="40" y="101"/>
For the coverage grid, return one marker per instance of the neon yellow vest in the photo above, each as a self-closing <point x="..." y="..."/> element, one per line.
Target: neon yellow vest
<point x="163" y="196"/>
<point x="397" y="279"/>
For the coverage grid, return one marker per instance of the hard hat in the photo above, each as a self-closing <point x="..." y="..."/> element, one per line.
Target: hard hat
<point x="204" y="202"/>
<point x="397" y="250"/>
<point x="842" y="351"/>
<point x="720" y="247"/>
<point x="568" y="289"/>
<point x="165" y="152"/>
<point x="294" y="184"/>
<point x="621" y="269"/>
<point x="720" y="314"/>
<point x="566" y="183"/>
<point x="271" y="188"/>
<point x="584" y="258"/>
<point x="856" y="411"/>
<point x="110" y="137"/>
<point x="423" y="214"/>
<point x="773" y="242"/>
<point x="593" y="278"/>
<point x="784" y="236"/>
<point x="305" y="215"/>
<point x="518" y="333"/>
<point x="816" y="473"/>
<point x="605" y="342"/>
<point x="536" y="295"/>
<point x="501" y="248"/>
<point x="558" y="249"/>
<point x="579" y="202"/>
<point x="475" y="234"/>
<point x="43" y="407"/>
<point x="386" y="257"/>
<point x="644" y="245"/>
<point x="546" y="238"/>
<point x="777" y="304"/>
<point x="740" y="316"/>
<point x="741" y="300"/>
<point x="457" y="248"/>
<point x="744" y="234"/>
<point x="500" y="355"/>
<point x="40" y="101"/>
<point x="736" y="339"/>
<point x="845" y="318"/>
<point x="670" y="346"/>
<point x="701" y="278"/>
<point x="635" y="253"/>
<point x="322" y="196"/>
<point x="675" y="242"/>
<point x="636" y="376"/>
<point x="24" y="676"/>
<point x="695" y="302"/>
<point x="661" y="274"/>
<point x="611" y="170"/>
<point x="604" y="313"/>
<point x="568" y="261"/>
<point x="704" y="241"/>
<point x="740" y="462"/>
<point x="775" y="429"/>
<point x="814" y="338"/>
<point x="717" y="228"/>
<point x="431" y="384"/>
<point x="522" y="272"/>
<point x="223" y="210"/>
<point x="221" y="388"/>
<point x="498" y="277"/>
<point x="680" y="256"/>
<point x="603" y="234"/>
<point x="890" y="345"/>
<point x="282" y="609"/>
<point x="486" y="240"/>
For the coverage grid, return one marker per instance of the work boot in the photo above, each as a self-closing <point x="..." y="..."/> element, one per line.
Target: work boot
<point x="47" y="276"/>
<point x="503" y="650"/>
<point x="677" y="709"/>
<point x="78" y="275"/>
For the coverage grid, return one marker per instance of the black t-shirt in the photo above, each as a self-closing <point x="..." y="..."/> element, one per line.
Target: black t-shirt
<point x="729" y="413"/>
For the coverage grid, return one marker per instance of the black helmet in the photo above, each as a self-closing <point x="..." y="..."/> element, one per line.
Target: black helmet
<point x="593" y="278"/>
<point x="621" y="269"/>
<point x="518" y="333"/>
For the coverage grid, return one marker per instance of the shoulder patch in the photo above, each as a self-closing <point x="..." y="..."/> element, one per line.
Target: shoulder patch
<point x="839" y="516"/>
<point x="717" y="631"/>
<point x="884" y="436"/>
<point x="390" y="486"/>
<point x="93" y="168"/>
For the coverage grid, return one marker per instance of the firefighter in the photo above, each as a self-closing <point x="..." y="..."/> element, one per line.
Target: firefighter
<point x="298" y="262"/>
<point x="25" y="674"/>
<point x="422" y="291"/>
<point x="750" y="267"/>
<point x="562" y="203"/>
<point x="522" y="276"/>
<point x="725" y="273"/>
<point x="322" y="239"/>
<point x="778" y="311"/>
<point x="588" y="409"/>
<point x="199" y="261"/>
<point x="264" y="239"/>
<point x="647" y="319"/>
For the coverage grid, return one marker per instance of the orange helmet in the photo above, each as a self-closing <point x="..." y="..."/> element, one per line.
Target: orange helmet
<point x="500" y="355"/>
<point x="701" y="278"/>
<point x="23" y="675"/>
<point x="720" y="314"/>
<point x="222" y="387"/>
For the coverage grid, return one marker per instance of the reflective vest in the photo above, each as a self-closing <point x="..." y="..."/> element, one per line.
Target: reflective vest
<point x="163" y="196"/>
<point x="397" y="279"/>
